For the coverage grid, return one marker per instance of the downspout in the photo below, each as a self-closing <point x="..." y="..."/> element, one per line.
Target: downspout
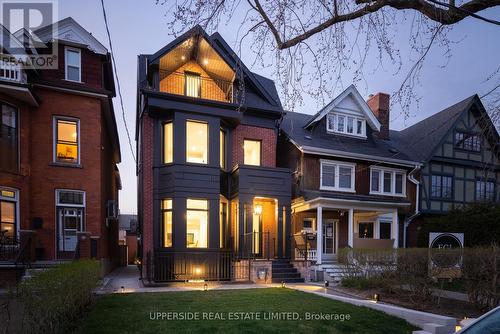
<point x="417" y="202"/>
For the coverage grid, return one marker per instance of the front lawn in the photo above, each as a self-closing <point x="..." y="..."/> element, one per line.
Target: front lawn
<point x="132" y="313"/>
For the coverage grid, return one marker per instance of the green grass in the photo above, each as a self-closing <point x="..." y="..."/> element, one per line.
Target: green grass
<point x="130" y="313"/>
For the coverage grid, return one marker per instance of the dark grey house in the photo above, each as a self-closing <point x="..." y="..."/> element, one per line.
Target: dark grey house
<point x="209" y="188"/>
<point x="460" y="151"/>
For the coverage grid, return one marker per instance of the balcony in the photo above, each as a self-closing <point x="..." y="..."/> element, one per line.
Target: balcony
<point x="12" y="72"/>
<point x="197" y="86"/>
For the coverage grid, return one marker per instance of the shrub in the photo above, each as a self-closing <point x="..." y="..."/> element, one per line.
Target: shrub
<point x="363" y="283"/>
<point x="53" y="299"/>
<point x="467" y="221"/>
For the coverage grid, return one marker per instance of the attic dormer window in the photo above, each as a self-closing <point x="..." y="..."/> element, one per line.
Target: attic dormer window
<point x="73" y="62"/>
<point x="345" y="124"/>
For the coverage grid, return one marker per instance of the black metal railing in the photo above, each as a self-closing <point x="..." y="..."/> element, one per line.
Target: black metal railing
<point x="183" y="265"/>
<point x="9" y="248"/>
<point x="258" y="245"/>
<point x="197" y="86"/>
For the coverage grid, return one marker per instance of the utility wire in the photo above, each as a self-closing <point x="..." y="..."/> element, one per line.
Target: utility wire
<point x="117" y="81"/>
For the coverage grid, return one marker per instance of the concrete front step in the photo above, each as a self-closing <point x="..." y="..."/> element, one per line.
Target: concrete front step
<point x="286" y="275"/>
<point x="288" y="280"/>
<point x="284" y="270"/>
<point x="438" y="329"/>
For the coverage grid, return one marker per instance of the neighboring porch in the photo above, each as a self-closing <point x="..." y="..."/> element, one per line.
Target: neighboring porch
<point x="323" y="226"/>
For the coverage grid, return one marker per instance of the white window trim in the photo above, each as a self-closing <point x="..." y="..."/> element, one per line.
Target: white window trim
<point x="58" y="204"/>
<point x="338" y="164"/>
<point x="68" y="48"/>
<point x="54" y="139"/>
<point x="15" y="199"/>
<point x="393" y="172"/>
<point x="344" y="132"/>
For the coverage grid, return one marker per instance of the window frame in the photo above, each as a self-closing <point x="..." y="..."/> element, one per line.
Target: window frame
<point x="452" y="191"/>
<point x="18" y="135"/>
<point x="79" y="51"/>
<point x="373" y="223"/>
<point x="16" y="201"/>
<point x="260" y="151"/>
<point x="162" y="227"/>
<point x="386" y="222"/>
<point x="337" y="165"/>
<point x="222" y="148"/>
<point x="483" y="197"/>
<point x="393" y="172"/>
<point x="171" y="122"/>
<point x="192" y="75"/>
<point x="336" y="115"/>
<point x="207" y="210"/>
<point x="55" y="119"/>
<point x="70" y="205"/>
<point x="208" y="142"/>
<point x="467" y="133"/>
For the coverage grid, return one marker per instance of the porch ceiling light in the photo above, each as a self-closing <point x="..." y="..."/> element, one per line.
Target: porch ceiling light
<point x="257" y="209"/>
<point x="197" y="270"/>
<point x="205" y="61"/>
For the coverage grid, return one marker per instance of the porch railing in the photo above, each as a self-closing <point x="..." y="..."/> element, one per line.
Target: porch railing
<point x="196" y="86"/>
<point x="309" y="255"/>
<point x="9" y="248"/>
<point x="183" y="265"/>
<point x="11" y="72"/>
<point x="258" y="245"/>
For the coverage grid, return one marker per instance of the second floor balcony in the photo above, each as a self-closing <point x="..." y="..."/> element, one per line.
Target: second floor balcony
<point x="196" y="85"/>
<point x="11" y="72"/>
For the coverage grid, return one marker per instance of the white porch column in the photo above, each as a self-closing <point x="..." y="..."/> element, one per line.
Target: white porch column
<point x="350" y="228"/>
<point x="319" y="234"/>
<point x="395" y="228"/>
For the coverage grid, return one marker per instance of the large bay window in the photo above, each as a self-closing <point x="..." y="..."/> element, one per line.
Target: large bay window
<point x="252" y="152"/>
<point x="9" y="138"/>
<point x="166" y="216"/>
<point x="197" y="223"/>
<point x="346" y="124"/>
<point x="338" y="176"/>
<point x="197" y="142"/>
<point x="168" y="142"/>
<point x="8" y="212"/>
<point x="390" y="182"/>
<point x="66" y="140"/>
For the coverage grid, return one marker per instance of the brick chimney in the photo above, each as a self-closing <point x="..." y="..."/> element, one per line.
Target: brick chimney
<point x="379" y="104"/>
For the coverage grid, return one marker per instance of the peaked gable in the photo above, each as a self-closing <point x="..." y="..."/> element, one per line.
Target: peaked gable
<point x="70" y="31"/>
<point x="349" y="101"/>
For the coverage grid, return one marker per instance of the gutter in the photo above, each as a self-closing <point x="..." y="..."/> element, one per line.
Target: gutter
<point x="417" y="201"/>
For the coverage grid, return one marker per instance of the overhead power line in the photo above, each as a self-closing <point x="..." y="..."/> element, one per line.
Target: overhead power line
<point x="117" y="80"/>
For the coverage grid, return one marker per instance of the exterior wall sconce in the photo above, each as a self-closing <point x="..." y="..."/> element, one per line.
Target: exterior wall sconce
<point x="257" y="209"/>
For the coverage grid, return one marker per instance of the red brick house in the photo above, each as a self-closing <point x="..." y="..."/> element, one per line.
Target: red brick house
<point x="59" y="179"/>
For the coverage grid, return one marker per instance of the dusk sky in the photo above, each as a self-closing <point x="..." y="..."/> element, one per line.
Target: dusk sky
<point x="140" y="27"/>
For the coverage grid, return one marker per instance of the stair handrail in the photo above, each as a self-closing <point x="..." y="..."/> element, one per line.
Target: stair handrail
<point x="22" y="250"/>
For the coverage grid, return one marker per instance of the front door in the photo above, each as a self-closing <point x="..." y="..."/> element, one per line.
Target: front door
<point x="70" y="222"/>
<point x="329" y="239"/>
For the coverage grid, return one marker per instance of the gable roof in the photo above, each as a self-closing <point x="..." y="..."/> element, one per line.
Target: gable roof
<point x="371" y="148"/>
<point x="70" y="31"/>
<point x="421" y="139"/>
<point x="363" y="106"/>
<point x="261" y="85"/>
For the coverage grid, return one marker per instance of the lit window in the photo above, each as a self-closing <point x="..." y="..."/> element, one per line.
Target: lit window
<point x="66" y="141"/>
<point x="73" y="64"/>
<point x="222" y="149"/>
<point x="168" y="143"/>
<point x="365" y="230"/>
<point x="338" y="176"/>
<point x="166" y="213"/>
<point x="193" y="84"/>
<point x="9" y="137"/>
<point x="441" y="186"/>
<point x="8" y="213"/>
<point x="197" y="142"/>
<point x="485" y="190"/>
<point x="197" y="223"/>
<point x="385" y="229"/>
<point x="251" y="150"/>
<point x="387" y="182"/>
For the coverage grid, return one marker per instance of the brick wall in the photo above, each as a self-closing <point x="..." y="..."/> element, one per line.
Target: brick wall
<point x="46" y="177"/>
<point x="379" y="104"/>
<point x="268" y="146"/>
<point x="147" y="184"/>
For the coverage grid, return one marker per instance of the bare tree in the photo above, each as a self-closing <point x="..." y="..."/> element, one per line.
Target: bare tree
<point x="311" y="43"/>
